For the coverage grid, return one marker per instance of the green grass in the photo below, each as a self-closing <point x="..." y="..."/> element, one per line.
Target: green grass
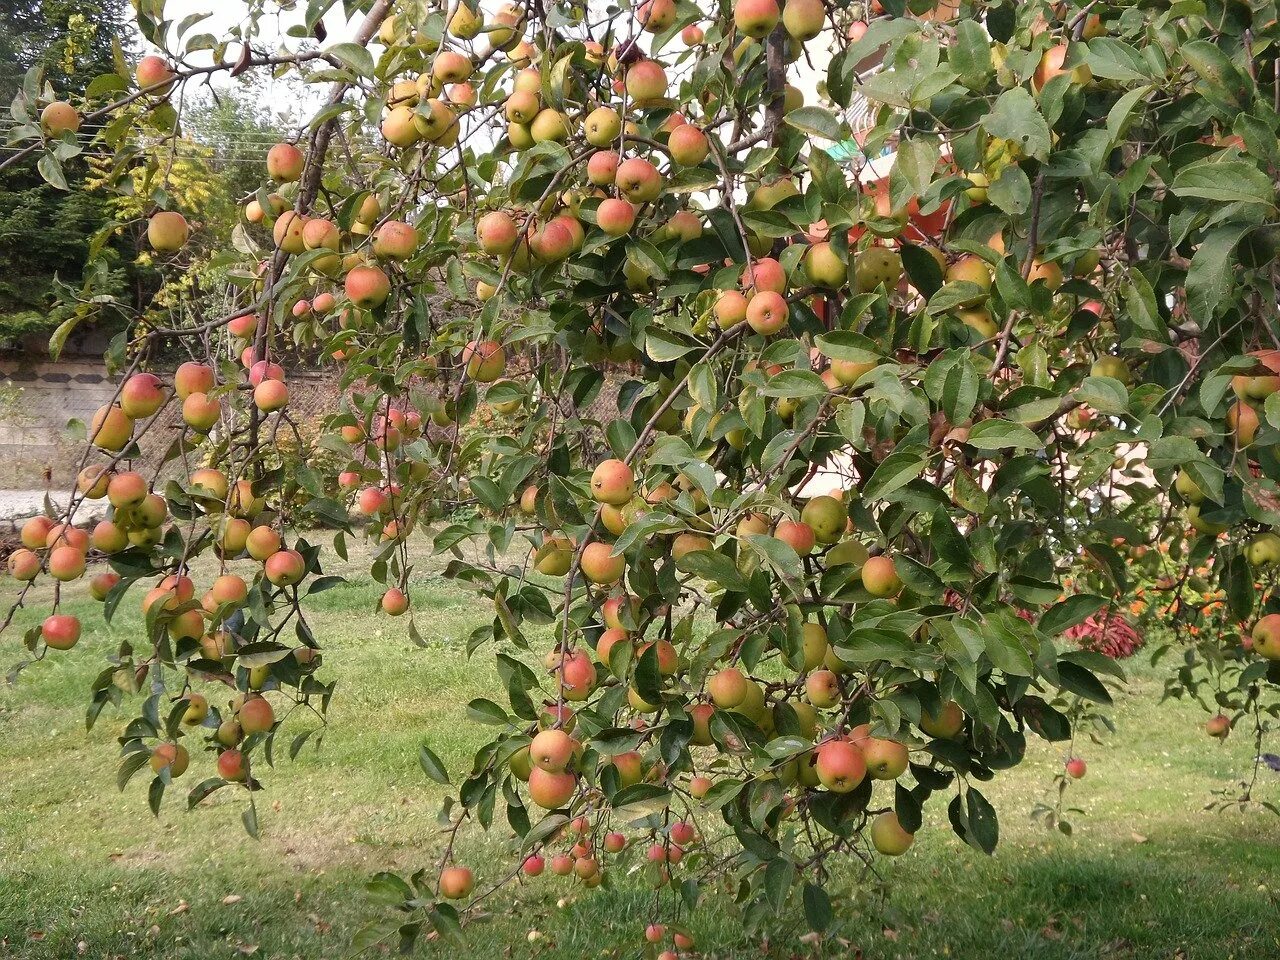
<point x="86" y="870"/>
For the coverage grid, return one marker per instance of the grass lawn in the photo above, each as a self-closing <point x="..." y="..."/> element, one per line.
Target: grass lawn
<point x="86" y="870"/>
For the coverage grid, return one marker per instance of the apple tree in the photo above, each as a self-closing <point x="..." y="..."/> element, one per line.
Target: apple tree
<point x="805" y="370"/>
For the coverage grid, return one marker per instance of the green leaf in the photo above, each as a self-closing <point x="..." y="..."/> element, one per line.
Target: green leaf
<point x="354" y="57"/>
<point x="894" y="472"/>
<point x="1002" y="435"/>
<point x="664" y="347"/>
<point x="1224" y="181"/>
<point x="1067" y="613"/>
<point x="971" y="55"/>
<point x="1011" y="191"/>
<point x="1118" y="116"/>
<point x="915" y="163"/>
<point x="431" y="765"/>
<point x="848" y="344"/>
<point x="817" y="122"/>
<point x="1078" y="680"/>
<point x="1017" y="118"/>
<point x="956" y="293"/>
<point x="51" y="170"/>
<point x="1212" y="274"/>
<point x="1104" y="394"/>
<point x="817" y="907"/>
<point x="982" y="825"/>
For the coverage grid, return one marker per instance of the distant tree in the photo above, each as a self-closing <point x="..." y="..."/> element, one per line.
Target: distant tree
<point x="44" y="232"/>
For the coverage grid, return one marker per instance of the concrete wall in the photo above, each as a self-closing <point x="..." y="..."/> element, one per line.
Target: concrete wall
<point x="37" y="398"/>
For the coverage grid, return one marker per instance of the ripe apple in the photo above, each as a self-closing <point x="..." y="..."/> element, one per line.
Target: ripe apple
<point x="59" y="117"/>
<point x="688" y="145"/>
<point x="599" y="565"/>
<point x="886" y="759"/>
<point x="1076" y="768"/>
<point x="613" y="482"/>
<point x="840" y="765"/>
<point x="200" y="412"/>
<point x="796" y="534"/>
<point x="767" y="312"/>
<point x="822" y="687"/>
<point x="551" y="790"/>
<point x="728" y="688"/>
<point x="646" y="81"/>
<point x="232" y="766"/>
<point x="60" y="631"/>
<point x="485" y="360"/>
<point x="880" y="577"/>
<point x="153" y="74"/>
<point x="1266" y="637"/>
<point x="615" y="216"/>
<point x="142" y="395"/>
<point x="285" y="568"/>
<point x="111" y="428"/>
<point x="367" y="286"/>
<point x="496" y="232"/>
<point x="638" y="180"/>
<point x="170" y="756"/>
<point x="756" y="18"/>
<point x="285" y="163"/>
<point x="191" y="378"/>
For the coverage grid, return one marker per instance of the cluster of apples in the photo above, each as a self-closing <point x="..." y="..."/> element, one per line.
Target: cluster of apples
<point x="248" y="715"/>
<point x="577" y="849"/>
<point x="153" y="76"/>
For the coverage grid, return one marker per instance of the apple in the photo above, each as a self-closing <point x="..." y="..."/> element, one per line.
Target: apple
<point x="1266" y="637"/>
<point x="803" y="19"/>
<point x="191" y="378"/>
<point x="285" y="163"/>
<point x="796" y="534"/>
<point x="946" y="725"/>
<point x="1076" y="768"/>
<point x="485" y="360"/>
<point x="822" y="687"/>
<point x="656" y="15"/>
<point x="840" y="765"/>
<point x="167" y="231"/>
<point x="153" y="74"/>
<point x="638" y="180"/>
<point x="688" y="145"/>
<point x="1243" y="422"/>
<point x="646" y="81"/>
<point x="1218" y="726"/>
<point x="60" y="631"/>
<point x="172" y="757"/>
<point x="599" y="565"/>
<point x="756" y="18"/>
<point x="602" y="126"/>
<point x="231" y="765"/>
<point x="367" y="286"/>
<point x="613" y="482"/>
<point x="59" y="117"/>
<point x="886" y="759"/>
<point x="767" y="312"/>
<point x="551" y="790"/>
<point x="887" y="835"/>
